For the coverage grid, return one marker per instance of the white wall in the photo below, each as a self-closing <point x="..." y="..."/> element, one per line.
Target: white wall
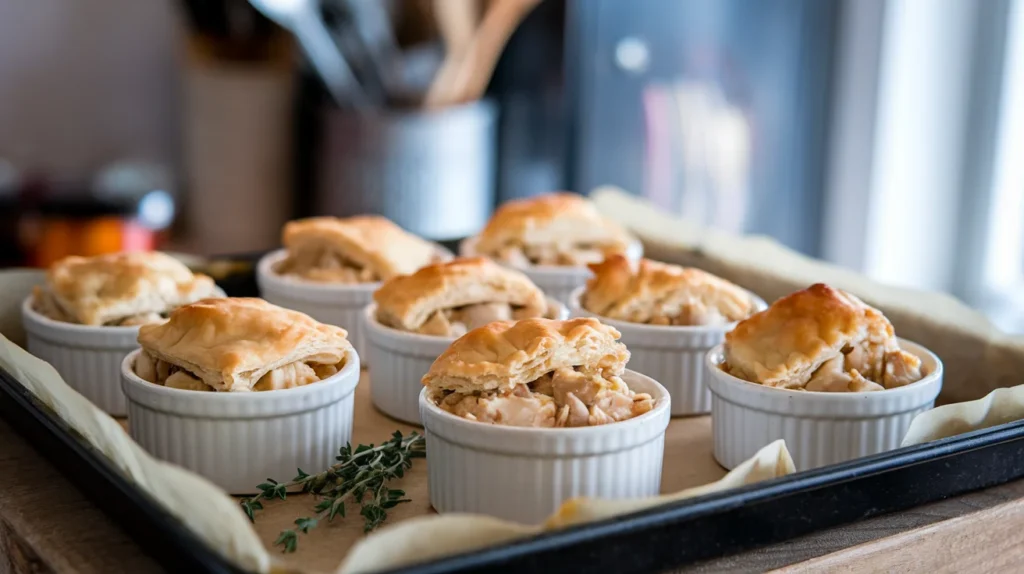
<point x="85" y="82"/>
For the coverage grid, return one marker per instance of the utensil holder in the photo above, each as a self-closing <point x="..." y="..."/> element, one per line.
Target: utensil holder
<point x="431" y="172"/>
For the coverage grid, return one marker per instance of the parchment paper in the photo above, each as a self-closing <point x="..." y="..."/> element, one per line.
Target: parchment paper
<point x="216" y="517"/>
<point x="978" y="358"/>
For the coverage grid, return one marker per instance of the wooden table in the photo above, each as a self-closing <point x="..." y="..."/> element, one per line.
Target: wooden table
<point x="46" y="525"/>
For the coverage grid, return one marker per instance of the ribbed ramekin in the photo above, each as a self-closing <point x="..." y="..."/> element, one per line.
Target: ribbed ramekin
<point x="400" y="359"/>
<point x="524" y="474"/>
<point x="673" y="355"/>
<point x="819" y="428"/>
<point x="239" y="439"/>
<point x="87" y="357"/>
<point x="340" y="305"/>
<point x="556" y="281"/>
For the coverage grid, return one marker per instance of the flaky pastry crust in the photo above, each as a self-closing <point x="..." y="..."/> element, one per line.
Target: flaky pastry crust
<point x="109" y="289"/>
<point x="406" y="302"/>
<point x="372" y="246"/>
<point x="555" y="228"/>
<point x="231" y="343"/>
<point x="819" y="339"/>
<point x="502" y="355"/>
<point x="659" y="293"/>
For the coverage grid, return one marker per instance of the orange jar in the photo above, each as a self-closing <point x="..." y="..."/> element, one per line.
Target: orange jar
<point x="85" y="227"/>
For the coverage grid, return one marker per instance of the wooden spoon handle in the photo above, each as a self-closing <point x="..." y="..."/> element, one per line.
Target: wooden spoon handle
<point x="465" y="79"/>
<point x="457" y="21"/>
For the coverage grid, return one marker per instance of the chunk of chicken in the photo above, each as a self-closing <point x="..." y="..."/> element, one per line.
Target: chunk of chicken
<point x="325" y="371"/>
<point x="514" y="256"/>
<point x="901" y="368"/>
<point x="141" y="319"/>
<point x="832" y="378"/>
<point x="858" y="384"/>
<point x="867" y="355"/>
<point x="47" y="305"/>
<point x="533" y="410"/>
<point x="577" y="413"/>
<point x="287" y="377"/>
<point x="183" y="380"/>
<point x="163" y="370"/>
<point x="697" y="313"/>
<point x="611" y="406"/>
<point x="326" y="266"/>
<point x="145" y="367"/>
<point x="564" y="255"/>
<point x="473" y="316"/>
<point x="584" y="386"/>
<point x="437" y="324"/>
<point x="457" y="322"/>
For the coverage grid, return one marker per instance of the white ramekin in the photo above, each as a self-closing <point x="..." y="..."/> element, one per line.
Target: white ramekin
<point x="524" y="474"/>
<point x="340" y="305"/>
<point x="673" y="355"/>
<point x="238" y="440"/>
<point x="819" y="428"/>
<point x="557" y="281"/>
<point x="87" y="357"/>
<point x="400" y="359"/>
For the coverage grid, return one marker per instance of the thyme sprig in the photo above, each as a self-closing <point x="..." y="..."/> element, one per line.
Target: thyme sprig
<point x="360" y="476"/>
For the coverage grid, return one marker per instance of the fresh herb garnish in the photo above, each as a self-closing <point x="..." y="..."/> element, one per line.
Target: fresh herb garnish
<point x="361" y="476"/>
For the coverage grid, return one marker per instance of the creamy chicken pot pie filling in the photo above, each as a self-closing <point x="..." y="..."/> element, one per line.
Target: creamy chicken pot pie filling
<point x="458" y="321"/>
<point x="820" y="339"/>
<point x="565" y="255"/>
<point x="565" y="397"/>
<point x="537" y="373"/>
<point x="326" y="266"/>
<point x="297" y="374"/>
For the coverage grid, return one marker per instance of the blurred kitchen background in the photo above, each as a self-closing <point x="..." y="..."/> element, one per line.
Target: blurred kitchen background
<point x="883" y="135"/>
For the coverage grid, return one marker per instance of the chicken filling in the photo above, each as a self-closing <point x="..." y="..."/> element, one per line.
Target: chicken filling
<point x="326" y="266"/>
<point x="297" y="374"/>
<point x="568" y="255"/>
<point x="566" y="397"/>
<point x="690" y="313"/>
<point x="860" y="368"/>
<point x="457" y="321"/>
<point x="47" y="305"/>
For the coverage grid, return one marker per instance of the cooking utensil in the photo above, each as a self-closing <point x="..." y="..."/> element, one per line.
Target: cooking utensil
<point x="371" y="24"/>
<point x="457" y="21"/>
<point x="465" y="78"/>
<point x="302" y="18"/>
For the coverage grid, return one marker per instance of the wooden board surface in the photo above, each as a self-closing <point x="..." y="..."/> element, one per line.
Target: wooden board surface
<point x="48" y="525"/>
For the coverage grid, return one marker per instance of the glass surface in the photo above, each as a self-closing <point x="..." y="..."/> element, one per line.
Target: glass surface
<point x="714" y="109"/>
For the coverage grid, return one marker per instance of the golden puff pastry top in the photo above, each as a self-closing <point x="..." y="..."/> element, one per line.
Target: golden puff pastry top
<point x="360" y="249"/>
<point x="662" y="294"/>
<point x="411" y="302"/>
<point x="551" y="229"/>
<point x="820" y="339"/>
<point x="230" y="344"/>
<point x="119" y="288"/>
<point x="502" y="355"/>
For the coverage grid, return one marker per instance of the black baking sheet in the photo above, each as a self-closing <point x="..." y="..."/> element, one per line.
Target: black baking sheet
<point x="657" y="539"/>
